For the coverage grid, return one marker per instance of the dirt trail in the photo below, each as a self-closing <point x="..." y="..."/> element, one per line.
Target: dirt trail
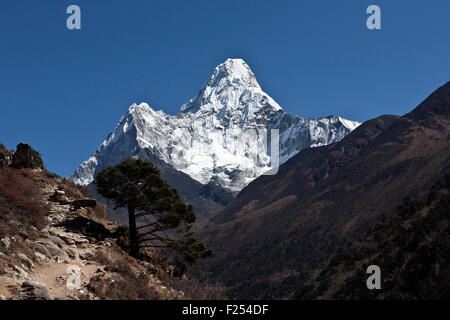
<point x="63" y="253"/>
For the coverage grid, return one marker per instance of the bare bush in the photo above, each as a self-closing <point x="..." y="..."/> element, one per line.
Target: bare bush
<point x="17" y="206"/>
<point x="74" y="191"/>
<point x="99" y="211"/>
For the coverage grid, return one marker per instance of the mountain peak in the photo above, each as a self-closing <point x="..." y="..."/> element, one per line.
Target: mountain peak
<point x="231" y="86"/>
<point x="234" y="71"/>
<point x="437" y="104"/>
<point x="209" y="140"/>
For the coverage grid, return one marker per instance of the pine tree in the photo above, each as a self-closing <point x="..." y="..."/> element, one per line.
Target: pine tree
<point x="139" y="187"/>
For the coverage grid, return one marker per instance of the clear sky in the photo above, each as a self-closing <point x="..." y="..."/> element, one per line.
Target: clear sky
<point x="63" y="91"/>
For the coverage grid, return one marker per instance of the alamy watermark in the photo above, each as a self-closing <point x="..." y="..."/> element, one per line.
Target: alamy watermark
<point x="73" y="281"/>
<point x="73" y="21"/>
<point x="374" y="281"/>
<point x="373" y="22"/>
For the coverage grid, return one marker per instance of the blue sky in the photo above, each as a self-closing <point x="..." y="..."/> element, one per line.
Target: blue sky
<point x="63" y="91"/>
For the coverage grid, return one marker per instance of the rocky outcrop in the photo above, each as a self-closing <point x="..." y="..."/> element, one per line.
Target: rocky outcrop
<point x="26" y="157"/>
<point x="83" y="203"/>
<point x="34" y="291"/>
<point x="5" y="156"/>
<point x="59" y="196"/>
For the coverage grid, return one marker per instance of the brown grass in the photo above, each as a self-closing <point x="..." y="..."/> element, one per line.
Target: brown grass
<point x="18" y="201"/>
<point x="98" y="212"/>
<point x="74" y="191"/>
<point x="102" y="258"/>
<point x="124" y="280"/>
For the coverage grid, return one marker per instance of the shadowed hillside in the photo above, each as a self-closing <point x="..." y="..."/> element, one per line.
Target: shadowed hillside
<point x="283" y="227"/>
<point x="411" y="247"/>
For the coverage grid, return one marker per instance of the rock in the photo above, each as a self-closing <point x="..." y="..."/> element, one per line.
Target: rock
<point x="68" y="239"/>
<point x="72" y="254"/>
<point x="45" y="233"/>
<point x="24" y="233"/>
<point x="87" y="227"/>
<point x="5" y="156"/>
<point x="34" y="291"/>
<point x="40" y="248"/>
<point x="59" y="196"/>
<point x="40" y="256"/>
<point x="83" y="203"/>
<point x="86" y="255"/>
<point x="27" y="157"/>
<point x="5" y="242"/>
<point x="21" y="272"/>
<point x="26" y="260"/>
<point x="49" y="249"/>
<point x="79" y="241"/>
<point x="58" y="241"/>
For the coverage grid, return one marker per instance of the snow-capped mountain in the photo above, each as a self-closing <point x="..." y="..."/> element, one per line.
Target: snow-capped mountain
<point x="217" y="137"/>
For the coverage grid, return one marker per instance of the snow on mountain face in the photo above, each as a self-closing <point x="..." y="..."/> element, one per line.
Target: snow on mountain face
<point x="217" y="136"/>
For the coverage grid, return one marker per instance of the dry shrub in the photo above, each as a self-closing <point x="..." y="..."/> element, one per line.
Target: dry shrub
<point x="9" y="258"/>
<point x="124" y="281"/>
<point x="74" y="191"/>
<point x="194" y="289"/>
<point x="5" y="261"/>
<point x="102" y="258"/>
<point x="123" y="287"/>
<point x="98" y="212"/>
<point x="18" y="203"/>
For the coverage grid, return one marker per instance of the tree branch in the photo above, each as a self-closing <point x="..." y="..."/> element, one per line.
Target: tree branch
<point x="149" y="239"/>
<point x="148" y="225"/>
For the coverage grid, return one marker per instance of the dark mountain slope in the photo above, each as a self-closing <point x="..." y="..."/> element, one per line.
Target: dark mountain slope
<point x="282" y="227"/>
<point x="411" y="247"/>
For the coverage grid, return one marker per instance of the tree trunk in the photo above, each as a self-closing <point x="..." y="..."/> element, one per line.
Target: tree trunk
<point x="134" y="245"/>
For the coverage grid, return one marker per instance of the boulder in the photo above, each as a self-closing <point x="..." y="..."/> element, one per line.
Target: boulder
<point x="57" y="240"/>
<point x="20" y="271"/>
<point x="86" y="227"/>
<point x="34" y="291"/>
<point x="59" y="196"/>
<point x="72" y="254"/>
<point x="5" y="242"/>
<point x="67" y="239"/>
<point x="83" y="203"/>
<point x="40" y="256"/>
<point x="5" y="156"/>
<point x="48" y="248"/>
<point x="26" y="157"/>
<point x="86" y="255"/>
<point x="27" y="261"/>
<point x="24" y="233"/>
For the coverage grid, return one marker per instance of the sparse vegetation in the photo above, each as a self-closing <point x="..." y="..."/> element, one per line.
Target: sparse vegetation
<point x="73" y="190"/>
<point x="98" y="212"/>
<point x="166" y="219"/>
<point x="24" y="195"/>
<point x="412" y="248"/>
<point x="18" y="205"/>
